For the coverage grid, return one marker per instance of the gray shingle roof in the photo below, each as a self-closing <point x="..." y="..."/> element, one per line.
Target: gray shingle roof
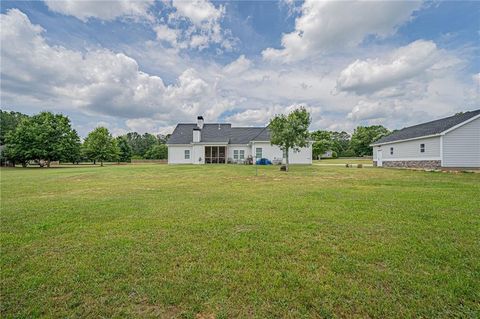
<point x="217" y="133"/>
<point x="429" y="128"/>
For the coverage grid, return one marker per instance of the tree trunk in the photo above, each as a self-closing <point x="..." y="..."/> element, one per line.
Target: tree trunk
<point x="94" y="162"/>
<point x="48" y="163"/>
<point x="286" y="161"/>
<point x="101" y="163"/>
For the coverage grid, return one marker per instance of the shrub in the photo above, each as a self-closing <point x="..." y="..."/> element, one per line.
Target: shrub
<point x="334" y="154"/>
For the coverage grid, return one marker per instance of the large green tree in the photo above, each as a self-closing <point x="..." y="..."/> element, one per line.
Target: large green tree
<point x="44" y="137"/>
<point x="290" y="131"/>
<point x="101" y="146"/>
<point x="125" y="154"/>
<point x="159" y="151"/>
<point x="363" y="136"/>
<point x="140" y="144"/>
<point x="8" y="123"/>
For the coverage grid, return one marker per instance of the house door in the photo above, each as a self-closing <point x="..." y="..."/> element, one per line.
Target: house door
<point x="379" y="158"/>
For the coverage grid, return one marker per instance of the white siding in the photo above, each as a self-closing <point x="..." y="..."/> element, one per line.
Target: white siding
<point x="198" y="154"/>
<point x="245" y="147"/>
<point x="273" y="152"/>
<point x="176" y="154"/>
<point x="461" y="147"/>
<point x="410" y="150"/>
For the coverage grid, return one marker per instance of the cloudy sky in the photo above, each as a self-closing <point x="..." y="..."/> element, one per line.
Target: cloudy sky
<point x="147" y="65"/>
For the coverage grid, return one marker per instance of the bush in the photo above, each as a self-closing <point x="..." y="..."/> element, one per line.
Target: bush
<point x="348" y="153"/>
<point x="334" y="154"/>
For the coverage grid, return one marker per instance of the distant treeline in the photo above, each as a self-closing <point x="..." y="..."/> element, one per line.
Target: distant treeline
<point x="47" y="137"/>
<point x="343" y="144"/>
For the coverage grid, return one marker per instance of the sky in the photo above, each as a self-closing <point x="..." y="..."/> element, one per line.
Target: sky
<point x="147" y="65"/>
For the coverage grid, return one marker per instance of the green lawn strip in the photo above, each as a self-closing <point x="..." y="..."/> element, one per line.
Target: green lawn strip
<point x="186" y="241"/>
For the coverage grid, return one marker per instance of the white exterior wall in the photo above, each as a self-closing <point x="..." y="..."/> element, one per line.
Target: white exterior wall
<point x="461" y="147"/>
<point x="176" y="154"/>
<point x="198" y="154"/>
<point x="410" y="150"/>
<point x="232" y="147"/>
<point x="273" y="152"/>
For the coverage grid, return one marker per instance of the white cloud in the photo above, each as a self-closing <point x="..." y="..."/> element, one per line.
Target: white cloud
<point x="238" y="66"/>
<point x="367" y="76"/>
<point x="105" y="10"/>
<point x="203" y="26"/>
<point x="200" y="12"/>
<point x="101" y="82"/>
<point x="164" y="33"/>
<point x="324" y="26"/>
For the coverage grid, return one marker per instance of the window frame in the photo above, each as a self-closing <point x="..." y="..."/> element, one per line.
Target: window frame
<point x="235" y="154"/>
<point x="186" y="154"/>
<point x="391" y="150"/>
<point x="241" y="154"/>
<point x="256" y="152"/>
<point x="422" y="148"/>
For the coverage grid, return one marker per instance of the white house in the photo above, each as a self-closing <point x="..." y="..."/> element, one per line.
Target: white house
<point x="218" y="143"/>
<point x="449" y="142"/>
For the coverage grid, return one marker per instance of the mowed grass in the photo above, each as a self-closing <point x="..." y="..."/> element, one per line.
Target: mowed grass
<point x="341" y="160"/>
<point x="219" y="242"/>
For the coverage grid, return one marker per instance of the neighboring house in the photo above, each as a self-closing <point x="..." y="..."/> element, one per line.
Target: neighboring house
<point x="204" y="143"/>
<point x="327" y="154"/>
<point x="449" y="142"/>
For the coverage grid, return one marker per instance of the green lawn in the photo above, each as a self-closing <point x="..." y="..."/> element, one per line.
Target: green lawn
<point x="341" y="160"/>
<point x="217" y="241"/>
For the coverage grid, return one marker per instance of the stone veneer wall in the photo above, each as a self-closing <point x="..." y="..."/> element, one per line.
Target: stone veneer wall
<point x="411" y="164"/>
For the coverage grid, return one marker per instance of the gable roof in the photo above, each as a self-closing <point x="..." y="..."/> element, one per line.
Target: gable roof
<point x="216" y="133"/>
<point x="426" y="129"/>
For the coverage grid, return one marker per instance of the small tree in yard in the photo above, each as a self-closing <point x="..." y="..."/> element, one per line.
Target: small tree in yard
<point x="290" y="131"/>
<point x="101" y="146"/>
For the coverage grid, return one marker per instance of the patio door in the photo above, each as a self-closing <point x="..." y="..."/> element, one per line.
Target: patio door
<point x="215" y="154"/>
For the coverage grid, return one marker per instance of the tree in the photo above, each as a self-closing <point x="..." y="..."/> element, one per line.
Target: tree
<point x="8" y="123"/>
<point x="341" y="141"/>
<point x="125" y="149"/>
<point x="320" y="147"/>
<point x="44" y="137"/>
<point x="290" y="131"/>
<point x="101" y="146"/>
<point x="159" y="151"/>
<point x="72" y="148"/>
<point x="363" y="136"/>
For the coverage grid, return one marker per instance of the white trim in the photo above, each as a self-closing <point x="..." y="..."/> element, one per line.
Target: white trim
<point x="461" y="124"/>
<point x="210" y="143"/>
<point x="179" y="145"/>
<point x="411" y="159"/>
<point x="407" y="139"/>
<point x="441" y="150"/>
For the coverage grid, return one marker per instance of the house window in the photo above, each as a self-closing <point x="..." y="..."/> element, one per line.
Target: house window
<point x="391" y="150"/>
<point x="235" y="154"/>
<point x="258" y="152"/>
<point x="422" y="148"/>
<point x="242" y="154"/>
<point x="187" y="154"/>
